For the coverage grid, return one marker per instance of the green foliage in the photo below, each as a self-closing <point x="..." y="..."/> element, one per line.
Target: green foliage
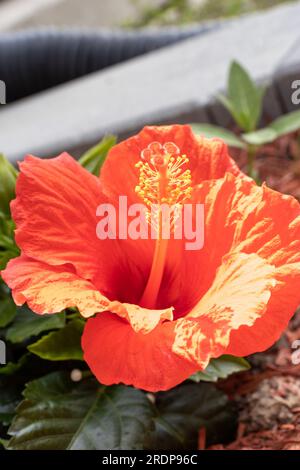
<point x="27" y="325"/>
<point x="60" y="414"/>
<point x="94" y="158"/>
<point x="288" y="123"/>
<point x="8" y="176"/>
<point x="221" y="368"/>
<point x="260" y="137"/>
<point x="4" y="443"/>
<point x="283" y="125"/>
<point x="244" y="98"/>
<point x="8" y="248"/>
<point x="61" y="345"/>
<point x="182" y="411"/>
<point x="188" y="11"/>
<point x="8" y="310"/>
<point x="12" y="367"/>
<point x="244" y="102"/>
<point x="212" y="131"/>
<point x="10" y="394"/>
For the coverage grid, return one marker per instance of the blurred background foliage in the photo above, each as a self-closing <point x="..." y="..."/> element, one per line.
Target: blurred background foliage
<point x="174" y="12"/>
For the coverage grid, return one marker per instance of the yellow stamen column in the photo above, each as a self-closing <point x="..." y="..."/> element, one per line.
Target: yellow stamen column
<point x="162" y="181"/>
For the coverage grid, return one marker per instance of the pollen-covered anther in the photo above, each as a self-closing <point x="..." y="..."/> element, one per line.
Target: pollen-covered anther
<point x="164" y="178"/>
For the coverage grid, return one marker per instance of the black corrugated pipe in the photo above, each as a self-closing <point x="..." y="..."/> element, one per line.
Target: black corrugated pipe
<point x="34" y="60"/>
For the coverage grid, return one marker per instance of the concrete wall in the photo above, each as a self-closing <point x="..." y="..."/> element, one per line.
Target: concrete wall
<point x="174" y="84"/>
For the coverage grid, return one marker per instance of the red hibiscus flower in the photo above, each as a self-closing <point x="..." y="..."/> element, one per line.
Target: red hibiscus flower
<point x="160" y="312"/>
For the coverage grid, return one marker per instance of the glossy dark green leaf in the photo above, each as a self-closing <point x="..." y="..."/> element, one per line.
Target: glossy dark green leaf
<point x="60" y="414"/>
<point x="61" y="345"/>
<point x="244" y="100"/>
<point x="8" y="311"/>
<point x="121" y="417"/>
<point x="27" y="324"/>
<point x="12" y="385"/>
<point x="182" y="411"/>
<point x="221" y="368"/>
<point x="210" y="131"/>
<point x="93" y="159"/>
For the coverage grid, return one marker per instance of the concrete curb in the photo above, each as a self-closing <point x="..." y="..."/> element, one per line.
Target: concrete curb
<point x="175" y="84"/>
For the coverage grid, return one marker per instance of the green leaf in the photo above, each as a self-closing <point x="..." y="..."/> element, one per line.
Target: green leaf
<point x="260" y="137"/>
<point x="5" y="256"/>
<point x="4" y="442"/>
<point x="8" y="247"/>
<point x="281" y="126"/>
<point x="12" y="367"/>
<point x="12" y="386"/>
<point x="244" y="100"/>
<point x="182" y="411"/>
<point x="8" y="176"/>
<point x="61" y="345"/>
<point x="27" y="324"/>
<point x="210" y="131"/>
<point x="8" y="311"/>
<point x="58" y="414"/>
<point x="221" y="368"/>
<point x="94" y="158"/>
<point x="9" y="398"/>
<point x="7" y="227"/>
<point x="285" y="124"/>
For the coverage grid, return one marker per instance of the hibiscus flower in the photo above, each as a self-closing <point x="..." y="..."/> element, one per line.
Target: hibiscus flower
<point x="158" y="312"/>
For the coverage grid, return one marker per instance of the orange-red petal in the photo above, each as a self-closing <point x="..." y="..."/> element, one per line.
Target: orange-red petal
<point x="246" y="278"/>
<point x="55" y="213"/>
<point x="239" y="216"/>
<point x="116" y="353"/>
<point x="142" y="320"/>
<point x="237" y="293"/>
<point x="208" y="158"/>
<point x="268" y="328"/>
<point x="238" y="296"/>
<point x="50" y="289"/>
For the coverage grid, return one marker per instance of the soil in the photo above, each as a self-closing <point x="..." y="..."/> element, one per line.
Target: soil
<point x="268" y="396"/>
<point x="277" y="164"/>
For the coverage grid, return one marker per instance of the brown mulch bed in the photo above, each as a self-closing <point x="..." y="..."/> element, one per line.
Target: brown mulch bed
<point x="268" y="396"/>
<point x="278" y="164"/>
<point x="283" y="437"/>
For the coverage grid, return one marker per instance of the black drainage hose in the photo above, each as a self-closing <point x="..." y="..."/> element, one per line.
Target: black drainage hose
<point x="34" y="60"/>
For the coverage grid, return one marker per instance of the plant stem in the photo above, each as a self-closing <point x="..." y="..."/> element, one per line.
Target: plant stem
<point x="251" y="152"/>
